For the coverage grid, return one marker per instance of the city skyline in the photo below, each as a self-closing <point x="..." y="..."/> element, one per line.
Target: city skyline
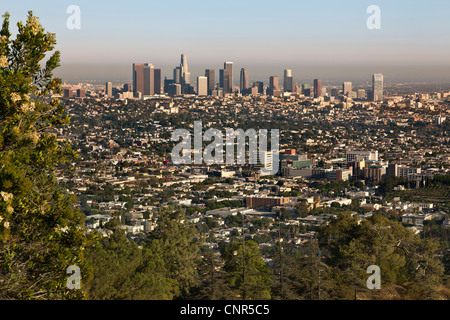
<point x="339" y="44"/>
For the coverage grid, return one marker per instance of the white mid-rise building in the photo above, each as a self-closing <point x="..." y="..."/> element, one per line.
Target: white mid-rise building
<point x="360" y="155"/>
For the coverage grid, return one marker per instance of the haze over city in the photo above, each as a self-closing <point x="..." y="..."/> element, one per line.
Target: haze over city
<point x="325" y="39"/>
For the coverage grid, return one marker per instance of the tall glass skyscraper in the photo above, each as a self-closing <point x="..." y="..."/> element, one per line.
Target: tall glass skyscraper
<point x="146" y="79"/>
<point x="287" y="81"/>
<point x="244" y="83"/>
<point x="317" y="88"/>
<point x="210" y="74"/>
<point x="138" y="77"/>
<point x="185" y="74"/>
<point x="377" y="87"/>
<point x="227" y="77"/>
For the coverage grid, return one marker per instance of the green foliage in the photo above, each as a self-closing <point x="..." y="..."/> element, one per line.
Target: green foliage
<point x="401" y="255"/>
<point x="248" y="275"/>
<point x="122" y="270"/>
<point x="178" y="244"/>
<point x="40" y="232"/>
<point x="163" y="268"/>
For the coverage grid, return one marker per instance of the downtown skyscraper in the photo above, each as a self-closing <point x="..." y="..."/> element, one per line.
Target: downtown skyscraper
<point x="108" y="89"/>
<point x="210" y="74"/>
<point x="317" y="88"/>
<point x="288" y="82"/>
<point x="146" y="79"/>
<point x="182" y="76"/>
<point x="273" y="83"/>
<point x="227" y="77"/>
<point x="185" y="75"/>
<point x="377" y="87"/>
<point x="244" y="81"/>
<point x="346" y="88"/>
<point x="202" y="86"/>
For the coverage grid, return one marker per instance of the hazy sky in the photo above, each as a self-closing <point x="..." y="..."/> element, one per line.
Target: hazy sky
<point x="321" y="38"/>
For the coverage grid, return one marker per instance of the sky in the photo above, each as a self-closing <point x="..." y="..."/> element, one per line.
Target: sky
<point x="326" y="39"/>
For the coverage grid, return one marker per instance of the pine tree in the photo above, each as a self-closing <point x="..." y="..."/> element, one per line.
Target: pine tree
<point x="247" y="272"/>
<point x="41" y="234"/>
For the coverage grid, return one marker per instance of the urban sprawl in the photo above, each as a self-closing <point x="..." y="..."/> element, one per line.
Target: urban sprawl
<point x="364" y="150"/>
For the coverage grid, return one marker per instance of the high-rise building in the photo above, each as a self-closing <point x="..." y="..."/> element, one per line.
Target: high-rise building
<point x="81" y="93"/>
<point x="127" y="87"/>
<point x="361" y="94"/>
<point x="210" y="74"/>
<point x="146" y="79"/>
<point x="138" y="77"/>
<point x="68" y="93"/>
<point x="177" y="75"/>
<point x="202" y="86"/>
<point x="273" y="83"/>
<point x="317" y="88"/>
<point x="149" y="80"/>
<point x="227" y="77"/>
<point x="346" y="88"/>
<point x="157" y="81"/>
<point x="288" y="81"/>
<point x="377" y="87"/>
<point x="174" y="89"/>
<point x="290" y="84"/>
<point x="167" y="82"/>
<point x="334" y="92"/>
<point x="244" y="83"/>
<point x="260" y="86"/>
<point x="185" y="74"/>
<point x="221" y="78"/>
<point x="108" y="91"/>
<point x="287" y="74"/>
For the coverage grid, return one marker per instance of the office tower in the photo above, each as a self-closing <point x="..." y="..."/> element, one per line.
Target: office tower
<point x="377" y="87"/>
<point x="167" y="82"/>
<point x="227" y="77"/>
<point x="273" y="82"/>
<point x="317" y="88"/>
<point x="127" y="87"/>
<point x="177" y="75"/>
<point x="81" y="93"/>
<point x="68" y="93"/>
<point x="185" y="74"/>
<point x="149" y="80"/>
<point x="361" y="94"/>
<point x="157" y="81"/>
<point x="146" y="79"/>
<point x="260" y="86"/>
<point x="290" y="84"/>
<point x="108" y="90"/>
<point x="334" y="92"/>
<point x="210" y="74"/>
<point x="138" y="77"/>
<point x="221" y="78"/>
<point x="244" y="83"/>
<point x="202" y="86"/>
<point x="174" y="89"/>
<point x="287" y="74"/>
<point x="346" y="88"/>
